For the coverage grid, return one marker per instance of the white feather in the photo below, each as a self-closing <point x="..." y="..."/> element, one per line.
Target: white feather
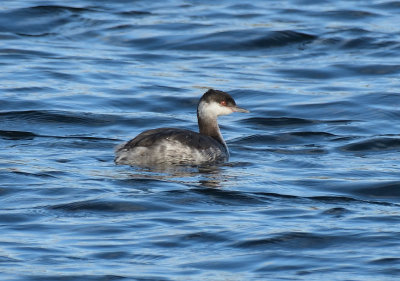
<point x="213" y="109"/>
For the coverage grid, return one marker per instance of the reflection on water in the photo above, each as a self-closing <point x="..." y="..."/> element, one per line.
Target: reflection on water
<point x="204" y="176"/>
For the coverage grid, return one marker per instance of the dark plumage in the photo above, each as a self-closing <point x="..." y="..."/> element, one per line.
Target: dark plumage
<point x="179" y="146"/>
<point x="185" y="137"/>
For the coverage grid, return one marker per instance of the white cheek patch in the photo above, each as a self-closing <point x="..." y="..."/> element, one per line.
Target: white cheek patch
<point x="213" y="110"/>
<point x="224" y="110"/>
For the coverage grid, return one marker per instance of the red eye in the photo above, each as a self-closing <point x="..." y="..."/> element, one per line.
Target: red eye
<point x="223" y="103"/>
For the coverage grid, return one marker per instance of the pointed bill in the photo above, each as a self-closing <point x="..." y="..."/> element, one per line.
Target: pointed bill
<point x="239" y="109"/>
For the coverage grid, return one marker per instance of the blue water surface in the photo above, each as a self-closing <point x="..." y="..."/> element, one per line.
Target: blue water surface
<point x="312" y="189"/>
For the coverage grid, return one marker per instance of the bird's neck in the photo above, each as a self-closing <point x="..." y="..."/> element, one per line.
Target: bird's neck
<point x="209" y="126"/>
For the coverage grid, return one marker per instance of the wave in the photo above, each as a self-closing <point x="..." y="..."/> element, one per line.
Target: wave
<point x="234" y="40"/>
<point x="111" y="206"/>
<point x="380" y="144"/>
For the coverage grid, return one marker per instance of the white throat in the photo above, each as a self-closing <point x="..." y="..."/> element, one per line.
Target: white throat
<point x="207" y="119"/>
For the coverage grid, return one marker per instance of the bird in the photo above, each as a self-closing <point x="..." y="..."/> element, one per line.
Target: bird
<point x="174" y="146"/>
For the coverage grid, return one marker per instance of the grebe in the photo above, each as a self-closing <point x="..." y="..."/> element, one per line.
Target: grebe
<point x="180" y="146"/>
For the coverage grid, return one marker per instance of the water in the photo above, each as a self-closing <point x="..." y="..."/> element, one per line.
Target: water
<point x="312" y="190"/>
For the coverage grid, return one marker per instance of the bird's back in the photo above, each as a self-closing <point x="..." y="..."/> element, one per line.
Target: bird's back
<point x="171" y="145"/>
